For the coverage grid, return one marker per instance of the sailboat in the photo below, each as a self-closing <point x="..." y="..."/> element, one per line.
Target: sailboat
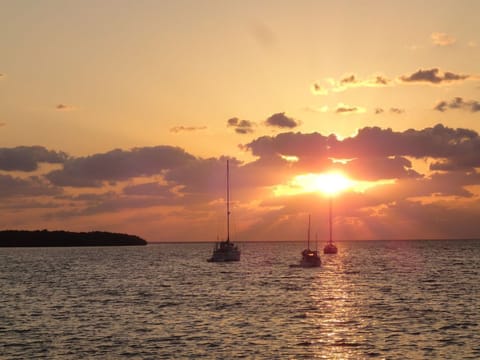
<point x="310" y="258"/>
<point x="226" y="250"/>
<point x="330" y="248"/>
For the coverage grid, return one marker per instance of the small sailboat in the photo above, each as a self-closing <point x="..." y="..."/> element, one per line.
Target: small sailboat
<point x="330" y="248"/>
<point x="310" y="258"/>
<point x="226" y="250"/>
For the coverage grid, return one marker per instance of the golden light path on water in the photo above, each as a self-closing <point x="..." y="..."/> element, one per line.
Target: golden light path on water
<point x="334" y="298"/>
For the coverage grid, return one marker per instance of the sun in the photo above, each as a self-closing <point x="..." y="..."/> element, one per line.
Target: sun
<point x="330" y="183"/>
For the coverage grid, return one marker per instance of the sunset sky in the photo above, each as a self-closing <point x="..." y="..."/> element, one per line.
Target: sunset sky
<point x="121" y="115"/>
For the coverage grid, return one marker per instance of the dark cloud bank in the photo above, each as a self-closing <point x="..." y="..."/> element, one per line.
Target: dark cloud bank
<point x="173" y="177"/>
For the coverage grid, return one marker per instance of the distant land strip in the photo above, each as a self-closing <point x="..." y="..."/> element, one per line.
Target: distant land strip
<point x="44" y="238"/>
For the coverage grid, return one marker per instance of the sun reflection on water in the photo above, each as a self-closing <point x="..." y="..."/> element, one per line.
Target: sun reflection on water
<point x="335" y="331"/>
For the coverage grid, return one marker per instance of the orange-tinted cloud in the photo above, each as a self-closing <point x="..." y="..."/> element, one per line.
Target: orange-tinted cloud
<point x="149" y="185"/>
<point x="177" y="129"/>
<point x="11" y="186"/>
<point x="442" y="39"/>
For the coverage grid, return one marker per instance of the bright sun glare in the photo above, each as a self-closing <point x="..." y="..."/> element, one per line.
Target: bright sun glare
<point x="327" y="183"/>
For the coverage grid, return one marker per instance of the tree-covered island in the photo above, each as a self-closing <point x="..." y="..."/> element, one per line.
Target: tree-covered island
<point x="38" y="238"/>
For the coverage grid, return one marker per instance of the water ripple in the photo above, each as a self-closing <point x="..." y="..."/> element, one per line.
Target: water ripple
<point x="390" y="300"/>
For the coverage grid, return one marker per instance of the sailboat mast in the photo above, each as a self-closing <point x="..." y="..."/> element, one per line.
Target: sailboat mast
<point x="330" y="218"/>
<point x="228" y="202"/>
<point x="308" y="236"/>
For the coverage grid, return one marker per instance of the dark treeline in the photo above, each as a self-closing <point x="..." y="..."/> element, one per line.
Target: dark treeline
<point x="24" y="238"/>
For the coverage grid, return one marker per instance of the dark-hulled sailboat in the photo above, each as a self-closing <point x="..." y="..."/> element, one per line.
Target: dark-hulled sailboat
<point x="226" y="250"/>
<point x="310" y="258"/>
<point x="330" y="248"/>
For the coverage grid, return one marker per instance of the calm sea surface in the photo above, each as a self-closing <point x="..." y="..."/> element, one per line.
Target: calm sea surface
<point x="374" y="299"/>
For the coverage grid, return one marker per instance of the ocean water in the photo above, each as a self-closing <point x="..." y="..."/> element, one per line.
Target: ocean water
<point x="372" y="300"/>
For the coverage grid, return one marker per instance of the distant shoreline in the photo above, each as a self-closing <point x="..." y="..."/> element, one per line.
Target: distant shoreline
<point x="45" y="238"/>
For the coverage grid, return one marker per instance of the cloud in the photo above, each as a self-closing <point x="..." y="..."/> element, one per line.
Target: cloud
<point x="155" y="191"/>
<point x="240" y="126"/>
<point x="351" y="81"/>
<point x="454" y="149"/>
<point x="418" y="220"/>
<point x="27" y="158"/>
<point x="380" y="168"/>
<point x="34" y="186"/>
<point x="433" y="76"/>
<point x="177" y="129"/>
<point x="118" y="165"/>
<point x="347" y="109"/>
<point x="472" y="44"/>
<point x="318" y="89"/>
<point x="442" y="39"/>
<point x="458" y="103"/>
<point x="348" y="80"/>
<point x="380" y="80"/>
<point x="148" y="189"/>
<point x="281" y="120"/>
<point x="64" y="107"/>
<point x="436" y="142"/>
<point x="392" y="110"/>
<point x="397" y="110"/>
<point x="109" y="203"/>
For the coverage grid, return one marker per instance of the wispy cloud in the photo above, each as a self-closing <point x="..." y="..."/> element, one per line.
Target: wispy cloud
<point x="318" y="89"/>
<point x="177" y="129"/>
<point x="472" y="44"/>
<point x="347" y="82"/>
<point x="351" y="81"/>
<point x="349" y="109"/>
<point x="458" y="103"/>
<point x="64" y="107"/>
<point x="392" y="110"/>
<point x="442" y="39"/>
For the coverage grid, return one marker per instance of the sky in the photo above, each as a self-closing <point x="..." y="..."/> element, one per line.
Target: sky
<point x="121" y="115"/>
